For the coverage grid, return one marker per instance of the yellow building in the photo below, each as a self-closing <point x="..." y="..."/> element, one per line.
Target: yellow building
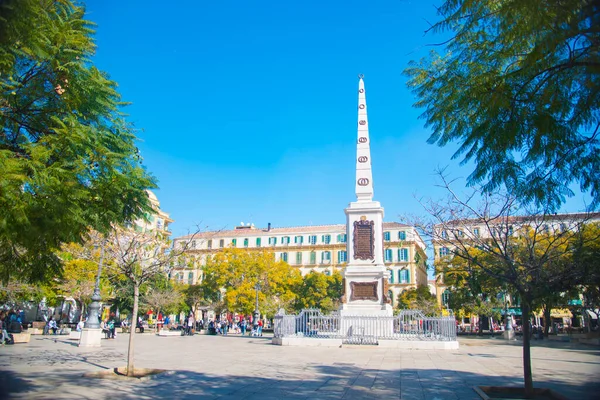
<point x="320" y="248"/>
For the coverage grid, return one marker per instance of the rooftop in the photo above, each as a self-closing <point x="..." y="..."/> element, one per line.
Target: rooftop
<point x="253" y="231"/>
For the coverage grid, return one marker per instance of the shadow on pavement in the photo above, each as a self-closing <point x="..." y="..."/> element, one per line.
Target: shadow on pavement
<point x="308" y="382"/>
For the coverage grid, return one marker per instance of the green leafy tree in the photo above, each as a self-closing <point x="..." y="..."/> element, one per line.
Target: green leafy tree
<point x="139" y="258"/>
<point x="317" y="290"/>
<point x="68" y="159"/>
<point x="419" y="298"/>
<point x="517" y="87"/>
<point x="232" y="275"/>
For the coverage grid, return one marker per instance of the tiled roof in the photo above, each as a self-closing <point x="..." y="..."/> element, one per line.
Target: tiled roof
<point x="295" y="230"/>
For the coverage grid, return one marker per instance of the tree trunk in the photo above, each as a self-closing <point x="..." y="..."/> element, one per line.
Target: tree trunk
<point x="547" y="321"/>
<point x="156" y="324"/>
<point x="136" y="296"/>
<point x="528" y="378"/>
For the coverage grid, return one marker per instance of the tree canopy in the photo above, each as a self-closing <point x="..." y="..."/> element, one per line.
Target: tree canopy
<point x="317" y="290"/>
<point x="517" y="86"/>
<point x="68" y="159"/>
<point x="237" y="271"/>
<point x="419" y="298"/>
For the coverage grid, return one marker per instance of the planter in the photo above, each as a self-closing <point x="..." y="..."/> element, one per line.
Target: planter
<point x="507" y="392"/>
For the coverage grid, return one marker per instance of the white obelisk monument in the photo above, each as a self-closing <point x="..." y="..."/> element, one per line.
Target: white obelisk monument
<point x="365" y="276"/>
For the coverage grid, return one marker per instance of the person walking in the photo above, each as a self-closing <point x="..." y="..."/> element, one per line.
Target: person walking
<point x="260" y="327"/>
<point x="243" y="326"/>
<point x="190" y="324"/>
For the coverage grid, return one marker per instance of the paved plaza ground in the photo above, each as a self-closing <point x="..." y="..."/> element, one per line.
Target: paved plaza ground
<point x="234" y="367"/>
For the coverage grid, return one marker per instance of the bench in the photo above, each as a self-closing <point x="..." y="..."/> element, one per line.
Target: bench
<point x="22" y="337"/>
<point x="164" y="332"/>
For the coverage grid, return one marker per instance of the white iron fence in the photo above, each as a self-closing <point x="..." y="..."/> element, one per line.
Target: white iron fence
<point x="408" y="325"/>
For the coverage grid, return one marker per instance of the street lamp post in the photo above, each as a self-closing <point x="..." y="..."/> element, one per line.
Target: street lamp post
<point x="508" y="328"/>
<point x="256" y="313"/>
<point x="91" y="334"/>
<point x="93" y="319"/>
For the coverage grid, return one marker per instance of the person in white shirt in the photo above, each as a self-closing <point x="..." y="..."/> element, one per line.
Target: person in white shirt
<point x="80" y="326"/>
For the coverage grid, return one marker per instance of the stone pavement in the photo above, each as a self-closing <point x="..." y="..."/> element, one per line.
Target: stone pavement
<point x="234" y="367"/>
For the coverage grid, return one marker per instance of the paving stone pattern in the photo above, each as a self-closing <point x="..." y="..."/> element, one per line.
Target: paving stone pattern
<point x="234" y="367"/>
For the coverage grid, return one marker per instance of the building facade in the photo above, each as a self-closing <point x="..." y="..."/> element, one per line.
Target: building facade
<point x="447" y="235"/>
<point x="320" y="248"/>
<point x="158" y="221"/>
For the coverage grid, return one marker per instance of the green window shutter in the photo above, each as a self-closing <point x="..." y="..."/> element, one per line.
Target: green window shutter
<point x="234" y="242"/>
<point x="313" y="257"/>
<point x="258" y="242"/>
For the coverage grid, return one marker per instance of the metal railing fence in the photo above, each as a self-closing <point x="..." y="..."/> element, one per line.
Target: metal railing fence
<point x="407" y="325"/>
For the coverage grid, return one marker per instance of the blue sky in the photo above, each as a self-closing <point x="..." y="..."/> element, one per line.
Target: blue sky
<point x="247" y="110"/>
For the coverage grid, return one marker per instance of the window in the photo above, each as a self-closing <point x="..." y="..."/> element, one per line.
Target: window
<point x="386" y="236"/>
<point x="342" y="256"/>
<point x="312" y="239"/>
<point x="325" y="257"/>
<point x="285" y="240"/>
<point x="391" y="296"/>
<point x="298" y="239"/>
<point x="476" y="232"/>
<point x="444" y="251"/>
<point x="272" y="241"/>
<point x="445" y="297"/>
<point x="258" y="242"/>
<point x="404" y="276"/>
<point x="510" y="230"/>
<point x="313" y="257"/>
<point x="233" y="242"/>
<point x="191" y="278"/>
<point x="193" y="244"/>
<point x="402" y="255"/>
<point x="284" y="257"/>
<point x="391" y="280"/>
<point x="388" y="255"/>
<point x="460" y="233"/>
<point x="209" y="244"/>
<point x="246" y="242"/>
<point x="341" y="238"/>
<point x="402" y="235"/>
<point x="299" y="257"/>
<point x="221" y="243"/>
<point x="326" y="239"/>
<point x="444" y="235"/>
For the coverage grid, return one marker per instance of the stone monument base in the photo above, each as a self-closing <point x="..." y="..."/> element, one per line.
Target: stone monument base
<point x="90" y="337"/>
<point x="508" y="335"/>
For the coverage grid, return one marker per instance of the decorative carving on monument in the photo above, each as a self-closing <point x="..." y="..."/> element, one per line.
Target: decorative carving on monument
<point x="343" y="298"/>
<point x="364" y="240"/>
<point x="362" y="122"/>
<point x="362" y="139"/>
<point x="362" y="106"/>
<point x="361" y="90"/>
<point x="363" y="181"/>
<point x="363" y="291"/>
<point x="363" y="159"/>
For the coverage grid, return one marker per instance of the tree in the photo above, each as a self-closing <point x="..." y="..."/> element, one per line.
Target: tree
<point x="238" y="271"/>
<point x="139" y="257"/>
<point x="78" y="276"/>
<point x="518" y="88"/>
<point x="524" y="249"/>
<point x="161" y="299"/>
<point x="317" y="290"/>
<point x="194" y="297"/>
<point x="419" y="298"/>
<point x="68" y="160"/>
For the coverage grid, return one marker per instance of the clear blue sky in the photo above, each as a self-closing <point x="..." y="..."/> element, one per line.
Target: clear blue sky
<point x="247" y="110"/>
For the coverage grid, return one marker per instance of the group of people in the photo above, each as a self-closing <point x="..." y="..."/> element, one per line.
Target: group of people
<point x="222" y="327"/>
<point x="11" y="322"/>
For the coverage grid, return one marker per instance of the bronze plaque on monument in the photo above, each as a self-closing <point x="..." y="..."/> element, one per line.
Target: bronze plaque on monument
<point x="364" y="291"/>
<point x="364" y="240"/>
